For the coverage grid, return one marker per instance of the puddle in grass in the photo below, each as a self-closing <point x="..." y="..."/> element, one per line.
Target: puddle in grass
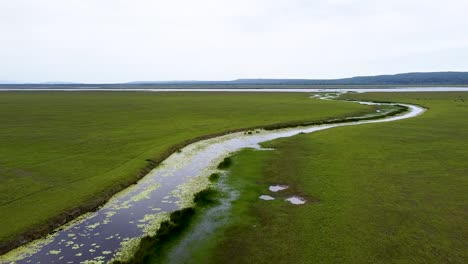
<point x="277" y="188"/>
<point x="117" y="226"/>
<point x="266" y="197"/>
<point x="295" y="200"/>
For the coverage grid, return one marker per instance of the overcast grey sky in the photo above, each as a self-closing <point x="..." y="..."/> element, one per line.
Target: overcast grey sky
<point x="127" y="40"/>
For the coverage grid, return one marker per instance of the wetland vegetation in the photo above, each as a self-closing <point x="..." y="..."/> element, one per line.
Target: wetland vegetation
<point x="65" y="153"/>
<point x="153" y="249"/>
<point x="378" y="193"/>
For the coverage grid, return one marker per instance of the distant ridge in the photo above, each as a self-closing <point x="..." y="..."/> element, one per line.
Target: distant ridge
<point x="413" y="78"/>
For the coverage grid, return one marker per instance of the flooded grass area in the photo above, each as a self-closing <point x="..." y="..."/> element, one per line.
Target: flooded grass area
<point x="277" y="188"/>
<point x="296" y="200"/>
<point x="266" y="197"/>
<point x="391" y="192"/>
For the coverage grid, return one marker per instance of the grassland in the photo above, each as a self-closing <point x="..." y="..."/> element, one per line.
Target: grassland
<point x="62" y="150"/>
<point x="377" y="193"/>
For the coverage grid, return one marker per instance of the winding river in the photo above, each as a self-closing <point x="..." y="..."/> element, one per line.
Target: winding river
<point x="115" y="228"/>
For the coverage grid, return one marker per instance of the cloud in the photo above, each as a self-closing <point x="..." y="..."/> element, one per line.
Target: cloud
<point x="123" y="40"/>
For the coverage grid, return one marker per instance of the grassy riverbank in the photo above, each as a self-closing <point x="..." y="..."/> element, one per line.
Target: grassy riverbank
<point x="60" y="150"/>
<point x="377" y="193"/>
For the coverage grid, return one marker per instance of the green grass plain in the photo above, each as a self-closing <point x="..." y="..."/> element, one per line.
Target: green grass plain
<point x="377" y="193"/>
<point x="61" y="149"/>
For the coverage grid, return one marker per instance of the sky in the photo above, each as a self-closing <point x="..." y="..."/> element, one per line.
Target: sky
<point x="109" y="41"/>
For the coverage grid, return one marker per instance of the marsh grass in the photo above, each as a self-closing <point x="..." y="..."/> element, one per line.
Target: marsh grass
<point x="389" y="192"/>
<point x="151" y="247"/>
<point x="64" y="153"/>
<point x="206" y="197"/>
<point x="214" y="177"/>
<point x="226" y="163"/>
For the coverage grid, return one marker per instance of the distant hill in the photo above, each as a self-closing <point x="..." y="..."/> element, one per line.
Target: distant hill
<point x="412" y="78"/>
<point x="415" y="78"/>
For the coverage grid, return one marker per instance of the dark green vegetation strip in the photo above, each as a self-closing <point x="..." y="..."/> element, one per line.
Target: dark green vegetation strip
<point x="214" y="177"/>
<point x="226" y="163"/>
<point x="65" y="153"/>
<point x="377" y="193"/>
<point x="152" y="249"/>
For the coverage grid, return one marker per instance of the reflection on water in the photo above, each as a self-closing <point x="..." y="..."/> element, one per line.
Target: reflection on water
<point x="266" y="197"/>
<point x="277" y="188"/>
<point x="295" y="200"/>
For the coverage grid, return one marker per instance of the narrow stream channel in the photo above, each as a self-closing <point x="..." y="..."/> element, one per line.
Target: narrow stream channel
<point x="137" y="211"/>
